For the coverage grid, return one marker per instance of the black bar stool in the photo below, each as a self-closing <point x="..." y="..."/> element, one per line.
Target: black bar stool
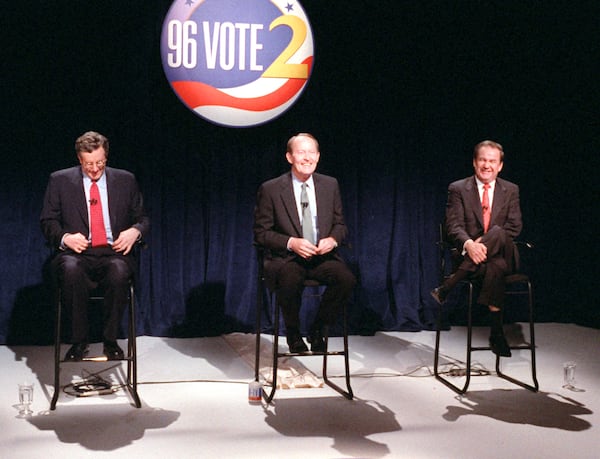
<point x="516" y="284"/>
<point x="130" y="357"/>
<point x="267" y="300"/>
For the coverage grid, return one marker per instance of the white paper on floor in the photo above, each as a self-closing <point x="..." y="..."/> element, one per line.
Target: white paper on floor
<point x="291" y="374"/>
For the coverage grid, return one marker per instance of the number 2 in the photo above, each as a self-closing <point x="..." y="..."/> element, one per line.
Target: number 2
<point x="280" y="68"/>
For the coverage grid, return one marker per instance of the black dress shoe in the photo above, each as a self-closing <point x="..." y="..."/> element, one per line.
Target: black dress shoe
<point x="76" y="352"/>
<point x="112" y="351"/>
<point x="298" y="346"/>
<point x="439" y="294"/>
<point x="317" y="343"/>
<point x="295" y="341"/>
<point x="500" y="346"/>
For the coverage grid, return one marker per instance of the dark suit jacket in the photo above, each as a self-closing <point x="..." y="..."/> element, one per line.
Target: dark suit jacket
<point x="65" y="209"/>
<point x="276" y="216"/>
<point x="464" y="216"/>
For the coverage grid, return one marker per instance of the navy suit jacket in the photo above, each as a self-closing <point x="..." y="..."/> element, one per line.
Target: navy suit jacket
<point x="464" y="215"/>
<point x="276" y="217"/>
<point x="65" y="209"/>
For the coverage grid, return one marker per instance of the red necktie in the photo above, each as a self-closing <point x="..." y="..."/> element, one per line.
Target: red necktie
<point x="485" y="205"/>
<point x="96" y="217"/>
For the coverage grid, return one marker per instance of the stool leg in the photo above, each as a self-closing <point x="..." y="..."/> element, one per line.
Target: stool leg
<point x="347" y="355"/>
<point x="259" y="301"/>
<point x="532" y="337"/>
<point x="269" y="396"/>
<point x="530" y="346"/>
<point x="459" y="390"/>
<point x="132" y="351"/>
<point x="57" y="333"/>
<point x="346" y="393"/>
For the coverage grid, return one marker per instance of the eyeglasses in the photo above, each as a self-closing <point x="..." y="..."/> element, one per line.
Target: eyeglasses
<point x="98" y="164"/>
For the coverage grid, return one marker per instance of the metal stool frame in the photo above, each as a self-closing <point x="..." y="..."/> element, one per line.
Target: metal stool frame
<point x="511" y="281"/>
<point x="273" y="311"/>
<point x="131" y="357"/>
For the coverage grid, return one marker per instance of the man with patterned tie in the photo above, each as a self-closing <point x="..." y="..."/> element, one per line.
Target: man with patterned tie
<point x="483" y="216"/>
<point x="299" y="222"/>
<point x="93" y="215"/>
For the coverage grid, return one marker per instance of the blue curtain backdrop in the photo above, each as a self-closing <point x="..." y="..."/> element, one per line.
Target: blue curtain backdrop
<point x="400" y="93"/>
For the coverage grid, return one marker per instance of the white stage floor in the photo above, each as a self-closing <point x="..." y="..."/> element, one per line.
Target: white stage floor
<point x="195" y="403"/>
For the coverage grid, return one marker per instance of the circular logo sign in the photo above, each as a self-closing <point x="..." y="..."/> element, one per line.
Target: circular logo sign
<point x="237" y="62"/>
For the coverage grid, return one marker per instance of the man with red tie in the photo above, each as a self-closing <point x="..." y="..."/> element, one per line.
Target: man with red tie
<point x="93" y="215"/>
<point x="483" y="216"/>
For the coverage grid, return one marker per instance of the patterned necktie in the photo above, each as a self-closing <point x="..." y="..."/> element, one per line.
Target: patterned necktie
<point x="485" y="205"/>
<point x="97" y="219"/>
<point x="307" y="227"/>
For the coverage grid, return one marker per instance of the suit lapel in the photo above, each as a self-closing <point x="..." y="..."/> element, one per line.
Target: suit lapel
<point x="76" y="179"/>
<point x="113" y="198"/>
<point x="499" y="200"/>
<point x="289" y="202"/>
<point x="474" y="199"/>
<point x="324" y="212"/>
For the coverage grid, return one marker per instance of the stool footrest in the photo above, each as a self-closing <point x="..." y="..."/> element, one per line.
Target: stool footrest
<point x="99" y="358"/>
<point x="309" y="353"/>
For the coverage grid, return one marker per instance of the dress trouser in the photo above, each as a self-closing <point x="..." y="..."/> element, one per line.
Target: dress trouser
<point x="79" y="274"/>
<point x="329" y="271"/>
<point x="499" y="263"/>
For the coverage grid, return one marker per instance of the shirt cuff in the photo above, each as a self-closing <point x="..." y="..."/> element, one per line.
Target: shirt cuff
<point x="62" y="245"/>
<point x="464" y="250"/>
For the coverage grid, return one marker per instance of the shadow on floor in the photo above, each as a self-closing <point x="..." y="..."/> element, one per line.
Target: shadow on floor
<point x="111" y="427"/>
<point x="348" y="423"/>
<point x="543" y="409"/>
